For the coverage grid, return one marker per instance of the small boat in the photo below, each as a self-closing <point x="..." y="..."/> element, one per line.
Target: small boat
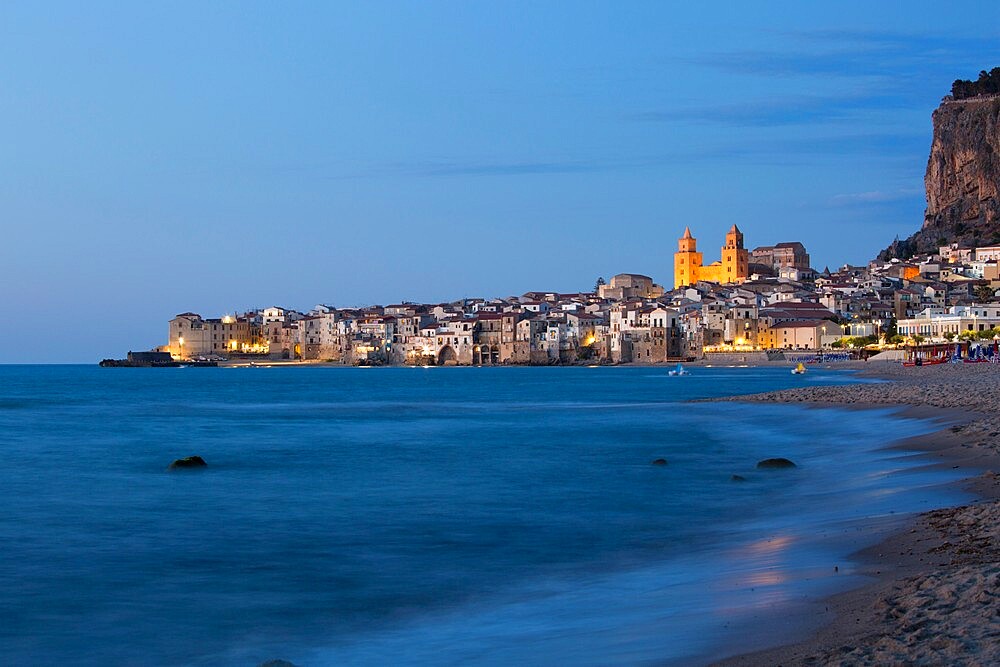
<point x="680" y="370"/>
<point x="799" y="370"/>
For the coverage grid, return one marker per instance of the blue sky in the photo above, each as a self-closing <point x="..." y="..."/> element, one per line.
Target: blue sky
<point x="159" y="158"/>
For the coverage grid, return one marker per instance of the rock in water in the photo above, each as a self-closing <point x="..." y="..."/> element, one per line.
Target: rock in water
<point x="276" y="663"/>
<point x="659" y="462"/>
<point x="738" y="478"/>
<point x="188" y="462"/>
<point x="775" y="463"/>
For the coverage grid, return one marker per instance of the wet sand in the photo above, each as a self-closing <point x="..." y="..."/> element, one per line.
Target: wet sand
<point x="935" y="598"/>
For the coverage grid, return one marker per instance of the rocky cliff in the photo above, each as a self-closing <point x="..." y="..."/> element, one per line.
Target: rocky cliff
<point x="962" y="180"/>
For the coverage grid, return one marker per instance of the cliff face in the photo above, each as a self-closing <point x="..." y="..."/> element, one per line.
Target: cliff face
<point x="962" y="180"/>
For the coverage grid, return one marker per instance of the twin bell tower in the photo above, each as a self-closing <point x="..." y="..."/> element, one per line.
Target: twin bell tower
<point x="689" y="268"/>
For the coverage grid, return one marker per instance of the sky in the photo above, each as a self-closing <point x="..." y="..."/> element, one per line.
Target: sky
<point x="213" y="157"/>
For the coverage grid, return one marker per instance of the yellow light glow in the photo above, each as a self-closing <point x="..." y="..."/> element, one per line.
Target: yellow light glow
<point x="180" y="340"/>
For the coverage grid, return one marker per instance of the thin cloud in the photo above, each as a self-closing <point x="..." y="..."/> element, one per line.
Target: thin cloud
<point x="877" y="71"/>
<point x="435" y="168"/>
<point x="853" y="54"/>
<point x="911" y="42"/>
<point x="885" y="144"/>
<point x="800" y="110"/>
<point x="780" y="152"/>
<point x="506" y="168"/>
<point x="875" y="197"/>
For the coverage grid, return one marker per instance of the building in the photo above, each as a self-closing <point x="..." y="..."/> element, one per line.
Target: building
<point x="955" y="254"/>
<point x="283" y="340"/>
<point x="189" y="336"/>
<point x="687" y="260"/>
<point x="630" y="286"/>
<point x="689" y="268"/>
<point x="801" y="335"/>
<point x="320" y="339"/>
<point x="791" y="255"/>
<point x="942" y="323"/>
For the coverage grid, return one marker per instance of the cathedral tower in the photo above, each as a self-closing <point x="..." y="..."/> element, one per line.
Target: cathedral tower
<point x="735" y="258"/>
<point x="687" y="260"/>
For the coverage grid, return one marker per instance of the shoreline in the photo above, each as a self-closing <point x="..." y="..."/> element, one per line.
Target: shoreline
<point x="932" y="598"/>
<point x="846" y="365"/>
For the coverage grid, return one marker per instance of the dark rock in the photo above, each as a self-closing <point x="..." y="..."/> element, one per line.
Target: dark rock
<point x="775" y="464"/>
<point x="738" y="478"/>
<point x="659" y="462"/>
<point x="276" y="663"/>
<point x="188" y="462"/>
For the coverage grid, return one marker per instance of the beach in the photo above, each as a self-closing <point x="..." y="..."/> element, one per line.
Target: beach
<point x="934" y="595"/>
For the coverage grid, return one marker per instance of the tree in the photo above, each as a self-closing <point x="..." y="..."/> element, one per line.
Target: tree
<point x="984" y="293"/>
<point x="858" y="341"/>
<point x="988" y="83"/>
<point x="890" y="330"/>
<point x="989" y="334"/>
<point x="597" y="285"/>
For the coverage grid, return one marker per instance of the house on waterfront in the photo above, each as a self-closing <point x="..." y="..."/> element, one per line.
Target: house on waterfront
<point x="719" y="308"/>
<point x="939" y="324"/>
<point x="189" y="336"/>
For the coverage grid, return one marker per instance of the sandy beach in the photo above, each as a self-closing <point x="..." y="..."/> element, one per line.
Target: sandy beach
<point x="935" y="596"/>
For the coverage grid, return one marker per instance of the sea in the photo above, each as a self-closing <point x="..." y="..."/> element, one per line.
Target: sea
<point x="431" y="516"/>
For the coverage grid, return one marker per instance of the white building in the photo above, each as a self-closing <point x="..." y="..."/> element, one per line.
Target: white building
<point x="934" y="323"/>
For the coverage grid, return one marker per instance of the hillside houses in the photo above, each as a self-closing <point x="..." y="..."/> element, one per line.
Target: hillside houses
<point x="629" y="319"/>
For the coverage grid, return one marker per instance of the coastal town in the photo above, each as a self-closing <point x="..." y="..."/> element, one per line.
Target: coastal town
<point x="432" y="274"/>
<point x="749" y="305"/>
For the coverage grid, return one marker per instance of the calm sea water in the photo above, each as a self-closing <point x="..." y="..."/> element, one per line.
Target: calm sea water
<point x="422" y="516"/>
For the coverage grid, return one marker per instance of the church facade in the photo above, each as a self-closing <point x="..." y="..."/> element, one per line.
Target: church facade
<point x="689" y="267"/>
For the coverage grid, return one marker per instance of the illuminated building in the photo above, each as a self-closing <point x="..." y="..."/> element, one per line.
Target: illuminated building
<point x="689" y="267"/>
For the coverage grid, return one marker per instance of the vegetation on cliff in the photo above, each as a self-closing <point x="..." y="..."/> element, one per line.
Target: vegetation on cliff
<point x="988" y="83"/>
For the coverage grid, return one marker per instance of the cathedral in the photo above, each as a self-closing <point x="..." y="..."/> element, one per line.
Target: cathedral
<point x="689" y="269"/>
